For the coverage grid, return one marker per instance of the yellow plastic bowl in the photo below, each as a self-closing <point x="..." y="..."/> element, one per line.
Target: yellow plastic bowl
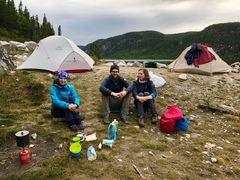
<point x="75" y="148"/>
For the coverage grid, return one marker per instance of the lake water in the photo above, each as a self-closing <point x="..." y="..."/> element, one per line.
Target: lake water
<point x="164" y="61"/>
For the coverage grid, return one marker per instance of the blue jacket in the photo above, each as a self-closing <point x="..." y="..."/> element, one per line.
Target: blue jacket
<point x="109" y="85"/>
<point x="57" y="91"/>
<point x="148" y="86"/>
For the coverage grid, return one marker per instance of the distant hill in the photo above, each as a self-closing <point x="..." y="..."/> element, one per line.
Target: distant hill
<point x="223" y="38"/>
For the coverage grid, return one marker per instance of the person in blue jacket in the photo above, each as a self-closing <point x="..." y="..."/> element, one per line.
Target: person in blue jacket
<point x="144" y="93"/>
<point x="116" y="94"/>
<point x="65" y="102"/>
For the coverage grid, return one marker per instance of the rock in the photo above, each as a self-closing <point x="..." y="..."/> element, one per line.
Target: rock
<point x="5" y="44"/>
<point x="34" y="135"/>
<point x="5" y="60"/>
<point x="14" y="45"/>
<point x="213" y="160"/>
<point x="31" y="45"/>
<point x="151" y="153"/>
<point x="31" y="145"/>
<point x="209" y="145"/>
<point x="182" y="77"/>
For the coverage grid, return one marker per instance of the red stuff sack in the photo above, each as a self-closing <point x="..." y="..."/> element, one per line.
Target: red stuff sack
<point x="169" y="117"/>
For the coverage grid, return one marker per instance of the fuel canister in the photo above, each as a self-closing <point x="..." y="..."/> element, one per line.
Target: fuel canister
<point x="24" y="156"/>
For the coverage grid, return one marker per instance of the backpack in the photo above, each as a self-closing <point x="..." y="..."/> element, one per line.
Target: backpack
<point x="182" y="124"/>
<point x="169" y="117"/>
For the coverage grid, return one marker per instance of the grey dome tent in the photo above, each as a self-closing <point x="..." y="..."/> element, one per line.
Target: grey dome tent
<point x="55" y="53"/>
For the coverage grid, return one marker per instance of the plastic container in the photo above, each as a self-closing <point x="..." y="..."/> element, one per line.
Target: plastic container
<point x="76" y="140"/>
<point x="75" y="154"/>
<point x="75" y="149"/>
<point x="112" y="131"/>
<point x="116" y="125"/>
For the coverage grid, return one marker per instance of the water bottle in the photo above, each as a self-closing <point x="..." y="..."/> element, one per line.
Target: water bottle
<point x="112" y="131"/>
<point x="116" y="123"/>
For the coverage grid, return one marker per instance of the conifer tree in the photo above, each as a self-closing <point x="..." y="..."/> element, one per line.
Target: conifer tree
<point x="59" y="30"/>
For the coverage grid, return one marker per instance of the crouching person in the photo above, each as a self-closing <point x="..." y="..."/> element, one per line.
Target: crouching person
<point x="65" y="102"/>
<point x="144" y="93"/>
<point x="116" y="94"/>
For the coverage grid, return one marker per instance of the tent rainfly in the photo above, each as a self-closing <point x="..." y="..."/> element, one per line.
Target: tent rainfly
<point x="55" y="53"/>
<point x="215" y="66"/>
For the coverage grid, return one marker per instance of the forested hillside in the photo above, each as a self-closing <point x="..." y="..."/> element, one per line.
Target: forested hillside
<point x="17" y="23"/>
<point x="223" y="38"/>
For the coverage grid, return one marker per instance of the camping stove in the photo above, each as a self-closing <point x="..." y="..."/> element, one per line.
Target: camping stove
<point x="22" y="138"/>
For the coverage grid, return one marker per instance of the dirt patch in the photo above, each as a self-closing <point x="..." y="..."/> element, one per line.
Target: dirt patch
<point x="10" y="161"/>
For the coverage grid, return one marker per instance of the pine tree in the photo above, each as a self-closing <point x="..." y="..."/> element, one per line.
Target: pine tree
<point x="59" y="30"/>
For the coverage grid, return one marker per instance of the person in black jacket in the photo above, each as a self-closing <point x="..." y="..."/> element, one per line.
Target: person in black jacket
<point x="144" y="93"/>
<point x="116" y="94"/>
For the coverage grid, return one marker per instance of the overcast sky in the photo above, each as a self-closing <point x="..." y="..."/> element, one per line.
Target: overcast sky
<point x="84" y="21"/>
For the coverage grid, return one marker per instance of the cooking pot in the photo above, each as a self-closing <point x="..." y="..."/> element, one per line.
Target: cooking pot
<point x="22" y="138"/>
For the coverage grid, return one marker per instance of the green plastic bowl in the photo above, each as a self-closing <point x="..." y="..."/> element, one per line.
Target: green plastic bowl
<point x="75" y="148"/>
<point x="76" y="139"/>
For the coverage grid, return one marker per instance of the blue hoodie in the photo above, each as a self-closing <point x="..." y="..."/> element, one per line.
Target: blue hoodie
<point x="57" y="91"/>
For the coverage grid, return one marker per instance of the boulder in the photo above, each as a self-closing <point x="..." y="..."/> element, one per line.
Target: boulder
<point x="5" y="44"/>
<point x="14" y="45"/>
<point x="31" y="45"/>
<point x="5" y="60"/>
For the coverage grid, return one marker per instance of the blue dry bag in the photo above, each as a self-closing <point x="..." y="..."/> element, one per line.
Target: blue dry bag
<point x="182" y="124"/>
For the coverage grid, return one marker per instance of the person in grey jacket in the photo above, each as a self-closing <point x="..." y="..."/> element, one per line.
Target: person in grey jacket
<point x="116" y="94"/>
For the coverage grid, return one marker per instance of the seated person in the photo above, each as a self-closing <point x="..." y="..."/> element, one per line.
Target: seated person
<point x="65" y="102"/>
<point x="144" y="93"/>
<point x="114" y="96"/>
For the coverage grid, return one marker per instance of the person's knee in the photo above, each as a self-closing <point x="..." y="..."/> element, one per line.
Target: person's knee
<point x="71" y="99"/>
<point x="140" y="94"/>
<point x="146" y="94"/>
<point x="65" y="98"/>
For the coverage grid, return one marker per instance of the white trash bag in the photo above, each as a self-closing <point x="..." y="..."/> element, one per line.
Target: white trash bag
<point x="158" y="81"/>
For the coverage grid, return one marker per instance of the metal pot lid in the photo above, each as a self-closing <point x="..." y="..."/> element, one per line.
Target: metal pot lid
<point x="22" y="133"/>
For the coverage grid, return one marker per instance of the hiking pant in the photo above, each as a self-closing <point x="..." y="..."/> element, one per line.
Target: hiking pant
<point x="110" y="102"/>
<point x="69" y="115"/>
<point x="141" y="107"/>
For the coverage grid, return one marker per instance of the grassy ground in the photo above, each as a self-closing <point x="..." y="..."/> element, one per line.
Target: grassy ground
<point x="137" y="153"/>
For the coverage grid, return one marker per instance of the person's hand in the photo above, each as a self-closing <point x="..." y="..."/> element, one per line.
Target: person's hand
<point x="122" y="94"/>
<point x="73" y="107"/>
<point x="117" y="95"/>
<point x="143" y="99"/>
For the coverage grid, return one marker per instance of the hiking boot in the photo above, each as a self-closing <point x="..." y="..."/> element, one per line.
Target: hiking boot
<point x="73" y="127"/>
<point x="154" y="119"/>
<point x="106" y="119"/>
<point x="141" y="121"/>
<point x="80" y="127"/>
<point x="124" y="119"/>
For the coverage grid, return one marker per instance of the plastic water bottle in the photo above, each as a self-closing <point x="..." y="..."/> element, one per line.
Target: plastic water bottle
<point x="116" y="123"/>
<point x="112" y="131"/>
